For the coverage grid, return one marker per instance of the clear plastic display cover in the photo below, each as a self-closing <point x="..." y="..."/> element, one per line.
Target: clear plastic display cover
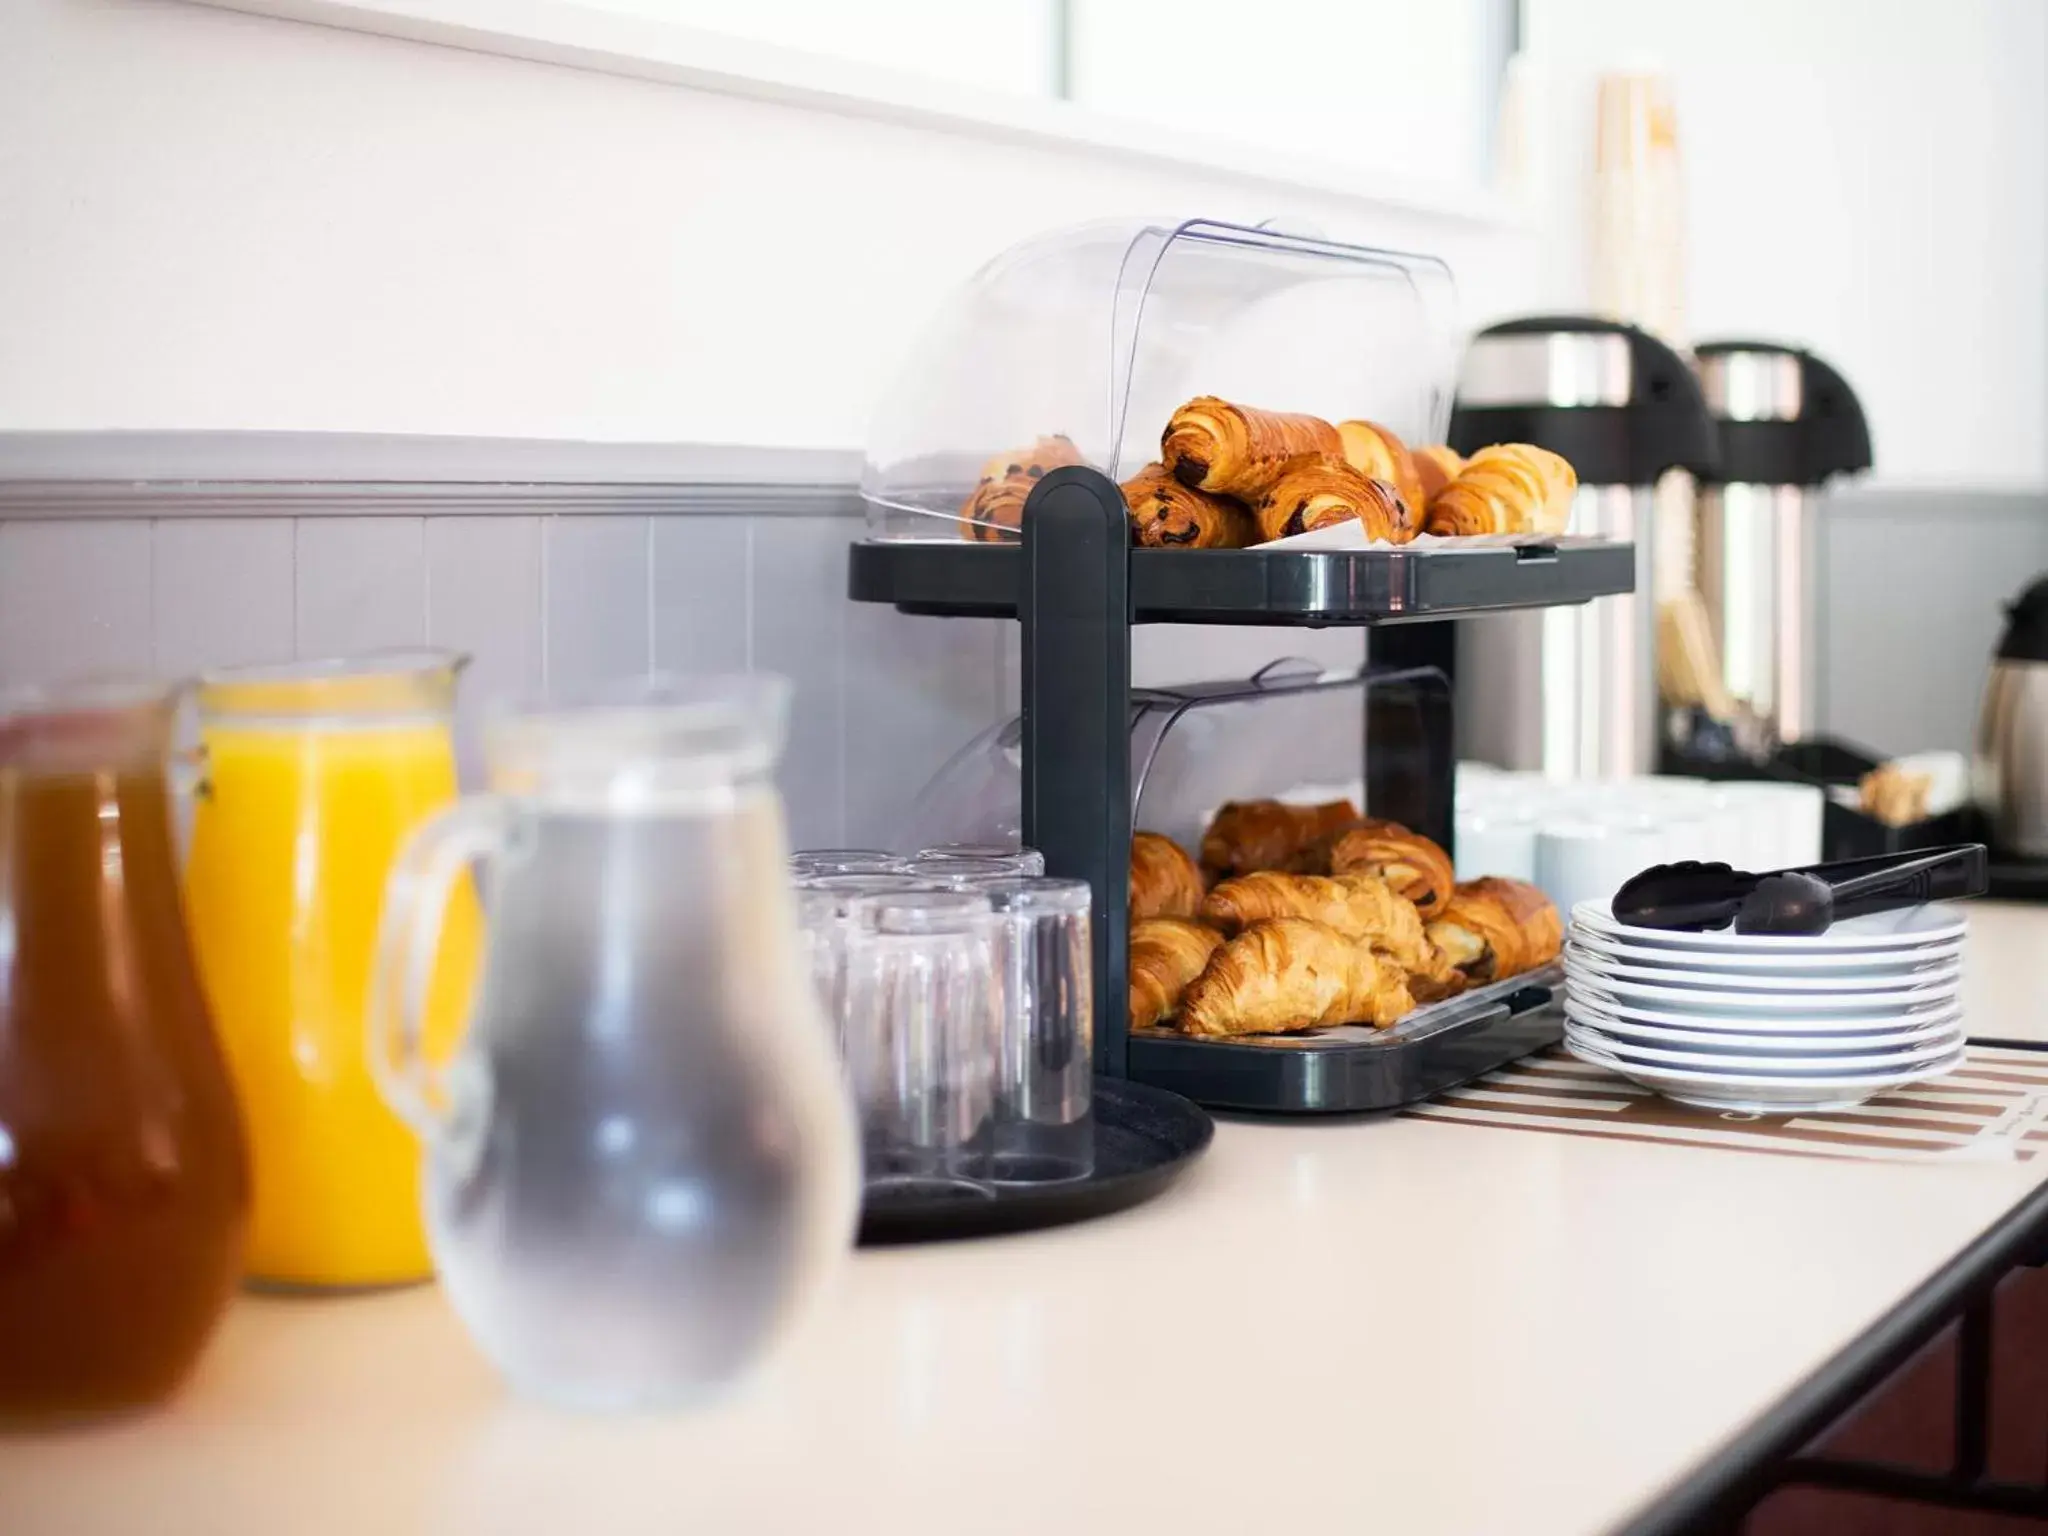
<point x="1291" y="732"/>
<point x="1082" y="342"/>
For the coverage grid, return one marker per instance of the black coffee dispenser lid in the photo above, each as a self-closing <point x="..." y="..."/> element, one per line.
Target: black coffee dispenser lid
<point x="2026" y="625"/>
<point x="1784" y="416"/>
<point x="1618" y="403"/>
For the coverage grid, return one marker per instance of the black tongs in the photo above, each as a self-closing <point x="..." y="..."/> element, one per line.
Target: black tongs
<point x="1692" y="896"/>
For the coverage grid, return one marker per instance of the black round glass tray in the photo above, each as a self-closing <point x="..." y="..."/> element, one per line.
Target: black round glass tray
<point x="1145" y="1138"/>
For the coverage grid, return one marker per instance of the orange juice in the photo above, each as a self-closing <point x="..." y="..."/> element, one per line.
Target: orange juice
<point x="298" y="823"/>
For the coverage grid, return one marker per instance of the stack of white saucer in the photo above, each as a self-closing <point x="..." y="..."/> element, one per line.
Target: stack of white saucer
<point x="1768" y="1025"/>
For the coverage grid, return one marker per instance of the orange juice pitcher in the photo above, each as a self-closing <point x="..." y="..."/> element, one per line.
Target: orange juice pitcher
<point x="315" y="774"/>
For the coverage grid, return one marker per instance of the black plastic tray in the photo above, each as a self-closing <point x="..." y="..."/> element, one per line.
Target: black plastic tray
<point x="1251" y="586"/>
<point x="1350" y="1070"/>
<point x="1145" y="1138"/>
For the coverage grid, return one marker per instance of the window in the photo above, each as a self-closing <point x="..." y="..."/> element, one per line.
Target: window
<point x="1403" y="87"/>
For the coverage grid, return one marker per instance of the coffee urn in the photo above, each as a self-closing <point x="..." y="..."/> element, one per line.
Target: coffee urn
<point x="1787" y="423"/>
<point x="1572" y="691"/>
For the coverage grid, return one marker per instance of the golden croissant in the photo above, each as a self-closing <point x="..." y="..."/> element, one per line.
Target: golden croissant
<point x="1292" y="974"/>
<point x="1509" y="488"/>
<point x="1165" y="882"/>
<point x="1409" y="862"/>
<point x="1358" y="906"/>
<point x="1436" y="466"/>
<point x="1315" y="493"/>
<point x="1166" y="954"/>
<point x="1053" y="452"/>
<point x="1247" y="835"/>
<point x="1495" y="928"/>
<point x="1378" y="454"/>
<point x="1168" y="515"/>
<point x="994" y="510"/>
<point x="1239" y="450"/>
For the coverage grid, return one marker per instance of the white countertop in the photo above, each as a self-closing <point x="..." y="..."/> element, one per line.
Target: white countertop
<point x="1392" y="1324"/>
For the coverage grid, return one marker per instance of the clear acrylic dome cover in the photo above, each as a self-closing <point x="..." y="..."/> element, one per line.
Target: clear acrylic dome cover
<point x="1098" y="333"/>
<point x="1293" y="731"/>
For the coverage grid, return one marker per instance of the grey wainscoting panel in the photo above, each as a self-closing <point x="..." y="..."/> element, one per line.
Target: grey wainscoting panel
<point x="595" y="600"/>
<point x="918" y="689"/>
<point x="1910" y="588"/>
<point x="702" y="593"/>
<point x="801" y="629"/>
<point x="361" y="583"/>
<point x="224" y="592"/>
<point x="483" y="598"/>
<point x="74" y="599"/>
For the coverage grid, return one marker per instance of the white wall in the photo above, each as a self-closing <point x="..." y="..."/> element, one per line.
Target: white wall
<point x="1869" y="177"/>
<point x="216" y="220"/>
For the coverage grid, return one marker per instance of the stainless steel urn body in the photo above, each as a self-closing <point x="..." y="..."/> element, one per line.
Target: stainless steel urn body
<point x="1572" y="691"/>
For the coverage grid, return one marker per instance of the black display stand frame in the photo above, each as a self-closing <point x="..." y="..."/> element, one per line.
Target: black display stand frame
<point x="1076" y="586"/>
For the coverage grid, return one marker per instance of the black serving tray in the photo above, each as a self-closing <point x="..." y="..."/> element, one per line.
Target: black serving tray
<point x="955" y="578"/>
<point x="1344" y="1071"/>
<point x="1145" y="1138"/>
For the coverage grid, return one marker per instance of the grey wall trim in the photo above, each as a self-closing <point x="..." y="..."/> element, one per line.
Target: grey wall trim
<point x="217" y="474"/>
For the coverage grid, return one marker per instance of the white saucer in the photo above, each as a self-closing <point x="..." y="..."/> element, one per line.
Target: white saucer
<point x="1685" y="999"/>
<point x="1784" y="1022"/>
<point x="1816" y="964"/>
<point x="1764" y="1095"/>
<point x="1718" y="1065"/>
<point x="1593" y="961"/>
<point x="1729" y="1043"/>
<point x="1905" y="928"/>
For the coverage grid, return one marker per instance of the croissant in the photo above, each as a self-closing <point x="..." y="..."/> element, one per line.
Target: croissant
<point x="994" y="509"/>
<point x="1378" y="454"/>
<point x="1165" y="882"/>
<point x="1315" y="493"/>
<point x="1166" y="954"/>
<point x="994" y="512"/>
<point x="1560" y="482"/>
<point x="1509" y="488"/>
<point x="1239" y="450"/>
<point x="1358" y="906"/>
<point x="1292" y="974"/>
<point x="1053" y="452"/>
<point x="1247" y="835"/>
<point x="1168" y="515"/>
<point x="1493" y="928"/>
<point x="1409" y="862"/>
<point x="1436" y="466"/>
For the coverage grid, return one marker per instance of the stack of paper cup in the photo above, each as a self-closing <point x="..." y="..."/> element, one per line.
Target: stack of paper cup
<point x="1579" y="840"/>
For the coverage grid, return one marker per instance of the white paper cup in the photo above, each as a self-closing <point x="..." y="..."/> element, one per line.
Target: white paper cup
<point x="1780" y="824"/>
<point x="1495" y="842"/>
<point x="1588" y="859"/>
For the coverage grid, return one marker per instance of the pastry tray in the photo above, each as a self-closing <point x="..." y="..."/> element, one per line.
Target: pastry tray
<point x="1250" y="586"/>
<point x="1353" y="1067"/>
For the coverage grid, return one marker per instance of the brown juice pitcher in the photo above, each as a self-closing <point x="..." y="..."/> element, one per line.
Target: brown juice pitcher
<point x="124" y="1185"/>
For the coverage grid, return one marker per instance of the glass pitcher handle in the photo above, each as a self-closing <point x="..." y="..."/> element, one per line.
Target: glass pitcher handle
<point x="439" y="852"/>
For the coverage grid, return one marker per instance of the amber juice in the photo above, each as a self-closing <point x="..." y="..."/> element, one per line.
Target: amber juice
<point x="123" y="1184"/>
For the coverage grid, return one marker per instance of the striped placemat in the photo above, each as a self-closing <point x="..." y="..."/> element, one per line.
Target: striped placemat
<point x="1994" y="1106"/>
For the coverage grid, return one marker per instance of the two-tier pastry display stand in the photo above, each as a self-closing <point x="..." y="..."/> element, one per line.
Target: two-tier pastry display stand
<point x="1076" y="586"/>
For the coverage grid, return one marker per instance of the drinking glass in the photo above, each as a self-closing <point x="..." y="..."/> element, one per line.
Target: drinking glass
<point x="641" y="1163"/>
<point x="1045" y="1060"/>
<point x="843" y="861"/>
<point x="962" y="873"/>
<point x="1019" y="861"/>
<point x="826" y="907"/>
<point x="921" y="1039"/>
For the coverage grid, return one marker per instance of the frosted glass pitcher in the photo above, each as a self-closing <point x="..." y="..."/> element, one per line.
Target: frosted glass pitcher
<point x="640" y="1163"/>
